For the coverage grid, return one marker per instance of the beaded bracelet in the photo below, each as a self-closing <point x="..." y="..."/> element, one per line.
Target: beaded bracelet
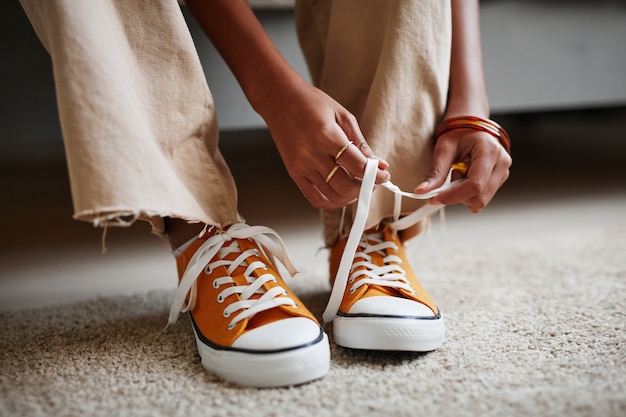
<point x="478" y="123"/>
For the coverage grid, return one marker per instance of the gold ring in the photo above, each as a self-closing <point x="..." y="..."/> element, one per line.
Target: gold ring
<point x="332" y="172"/>
<point x="342" y="150"/>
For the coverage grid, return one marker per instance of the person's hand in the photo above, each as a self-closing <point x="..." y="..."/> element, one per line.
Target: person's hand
<point x="488" y="168"/>
<point x="310" y="129"/>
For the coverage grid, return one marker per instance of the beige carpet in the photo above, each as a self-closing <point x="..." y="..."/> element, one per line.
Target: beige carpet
<point x="535" y="328"/>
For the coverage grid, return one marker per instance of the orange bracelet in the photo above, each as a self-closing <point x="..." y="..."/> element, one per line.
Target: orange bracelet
<point x="478" y="123"/>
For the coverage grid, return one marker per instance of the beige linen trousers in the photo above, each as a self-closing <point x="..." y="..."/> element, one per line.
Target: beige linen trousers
<point x="138" y="119"/>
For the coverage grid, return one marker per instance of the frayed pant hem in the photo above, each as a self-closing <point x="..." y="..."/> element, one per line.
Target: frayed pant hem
<point x="126" y="218"/>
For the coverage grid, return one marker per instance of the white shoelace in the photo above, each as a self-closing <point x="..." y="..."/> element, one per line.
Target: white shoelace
<point x="391" y="274"/>
<point x="224" y="244"/>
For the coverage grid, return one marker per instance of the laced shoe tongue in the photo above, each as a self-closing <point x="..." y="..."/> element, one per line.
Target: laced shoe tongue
<point x="230" y="252"/>
<point x="238" y="273"/>
<point x="264" y="317"/>
<point x="378" y="259"/>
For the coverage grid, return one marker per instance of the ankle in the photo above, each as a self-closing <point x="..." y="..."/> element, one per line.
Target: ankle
<point x="179" y="231"/>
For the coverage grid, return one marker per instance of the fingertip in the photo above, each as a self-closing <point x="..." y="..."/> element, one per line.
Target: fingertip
<point x="420" y="188"/>
<point x="383" y="176"/>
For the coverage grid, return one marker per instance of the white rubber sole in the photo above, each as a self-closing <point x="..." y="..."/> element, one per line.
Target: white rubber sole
<point x="264" y="370"/>
<point x="384" y="333"/>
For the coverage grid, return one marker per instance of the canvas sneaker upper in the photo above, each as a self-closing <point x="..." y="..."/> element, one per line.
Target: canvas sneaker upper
<point x="376" y="301"/>
<point x="380" y="270"/>
<point x="242" y="309"/>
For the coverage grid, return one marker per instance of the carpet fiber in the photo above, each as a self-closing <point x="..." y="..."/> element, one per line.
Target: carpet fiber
<point x="534" y="328"/>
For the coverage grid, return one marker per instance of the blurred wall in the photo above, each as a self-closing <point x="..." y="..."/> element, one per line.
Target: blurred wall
<point x="555" y="54"/>
<point x="539" y="55"/>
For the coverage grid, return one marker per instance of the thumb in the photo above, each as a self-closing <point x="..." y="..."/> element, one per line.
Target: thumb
<point x="440" y="166"/>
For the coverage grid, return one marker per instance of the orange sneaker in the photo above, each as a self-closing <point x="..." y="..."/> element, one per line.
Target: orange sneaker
<point x="250" y="328"/>
<point x="377" y="301"/>
<point x="384" y="306"/>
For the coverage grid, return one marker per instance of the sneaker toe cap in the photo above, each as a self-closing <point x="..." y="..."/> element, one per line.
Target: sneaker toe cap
<point x="282" y="334"/>
<point x="390" y="306"/>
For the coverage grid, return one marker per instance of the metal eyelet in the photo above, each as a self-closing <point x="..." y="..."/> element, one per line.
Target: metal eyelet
<point x="208" y="270"/>
<point x="230" y="326"/>
<point x="295" y="305"/>
<point x="220" y="299"/>
<point x="226" y="314"/>
<point x="352" y="291"/>
<point x="216" y="285"/>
